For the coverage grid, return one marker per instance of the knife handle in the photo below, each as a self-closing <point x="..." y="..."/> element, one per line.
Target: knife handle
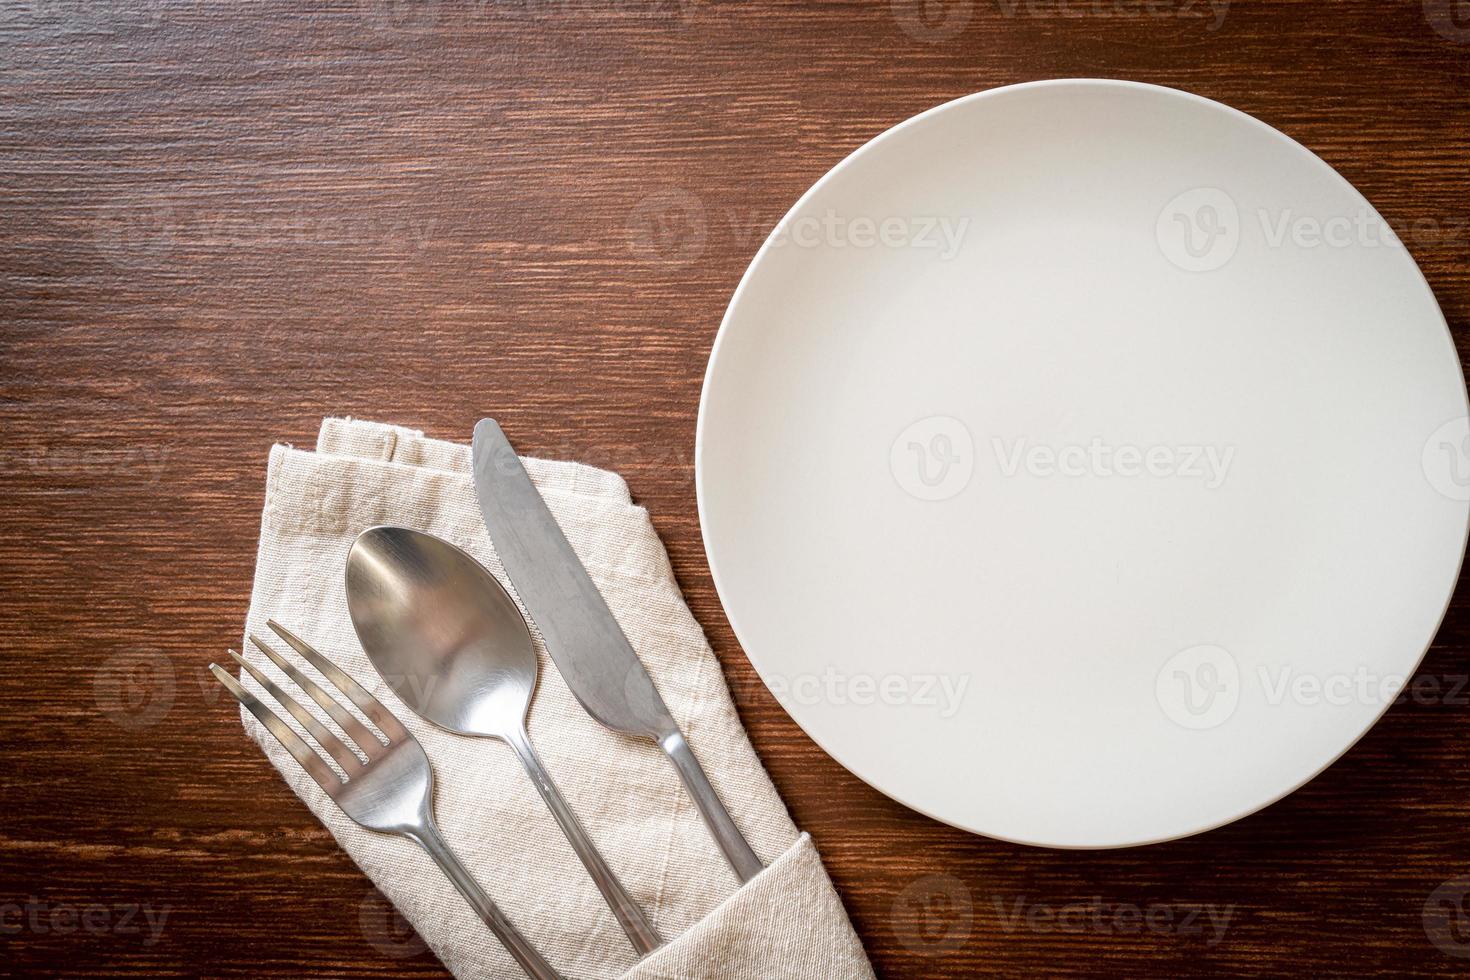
<point x="734" y="846"/>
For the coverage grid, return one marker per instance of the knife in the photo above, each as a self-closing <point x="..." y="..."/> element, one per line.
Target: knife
<point x="584" y="640"/>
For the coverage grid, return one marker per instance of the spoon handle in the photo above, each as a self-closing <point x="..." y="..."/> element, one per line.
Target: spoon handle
<point x="640" y="931"/>
<point x="518" y="946"/>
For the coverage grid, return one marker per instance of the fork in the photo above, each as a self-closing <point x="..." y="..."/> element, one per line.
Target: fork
<point x="391" y="792"/>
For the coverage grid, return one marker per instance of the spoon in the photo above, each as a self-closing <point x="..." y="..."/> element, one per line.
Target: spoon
<point x="450" y="642"/>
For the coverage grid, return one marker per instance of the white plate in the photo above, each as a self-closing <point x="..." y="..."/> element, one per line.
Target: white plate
<point x="1060" y="526"/>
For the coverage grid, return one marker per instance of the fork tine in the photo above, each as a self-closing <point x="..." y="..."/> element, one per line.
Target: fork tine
<point x="345" y="757"/>
<point x="315" y="766"/>
<point x="356" y="730"/>
<point x="370" y="705"/>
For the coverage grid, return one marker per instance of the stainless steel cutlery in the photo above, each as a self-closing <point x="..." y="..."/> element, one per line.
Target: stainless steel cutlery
<point x="453" y="646"/>
<point x="384" y="786"/>
<point x="581" y="634"/>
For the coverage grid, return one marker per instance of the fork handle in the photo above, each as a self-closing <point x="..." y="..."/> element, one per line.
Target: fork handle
<point x="518" y="946"/>
<point x="639" y="930"/>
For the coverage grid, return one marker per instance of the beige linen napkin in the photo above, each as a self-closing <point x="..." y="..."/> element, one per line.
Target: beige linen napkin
<point x="787" y="923"/>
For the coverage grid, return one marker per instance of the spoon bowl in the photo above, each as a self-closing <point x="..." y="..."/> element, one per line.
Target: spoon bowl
<point x="442" y="631"/>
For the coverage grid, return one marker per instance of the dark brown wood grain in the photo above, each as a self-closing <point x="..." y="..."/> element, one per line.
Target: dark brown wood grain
<point x="222" y="222"/>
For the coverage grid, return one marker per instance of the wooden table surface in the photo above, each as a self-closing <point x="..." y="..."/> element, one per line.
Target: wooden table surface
<point x="223" y="222"/>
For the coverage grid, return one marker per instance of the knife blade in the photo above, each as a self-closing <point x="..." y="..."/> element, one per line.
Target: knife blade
<point x="582" y="636"/>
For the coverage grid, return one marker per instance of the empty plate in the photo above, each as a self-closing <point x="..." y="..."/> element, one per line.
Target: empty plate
<point x="1084" y="463"/>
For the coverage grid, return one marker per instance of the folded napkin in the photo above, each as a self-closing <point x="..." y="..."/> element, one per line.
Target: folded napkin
<point x="786" y="923"/>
